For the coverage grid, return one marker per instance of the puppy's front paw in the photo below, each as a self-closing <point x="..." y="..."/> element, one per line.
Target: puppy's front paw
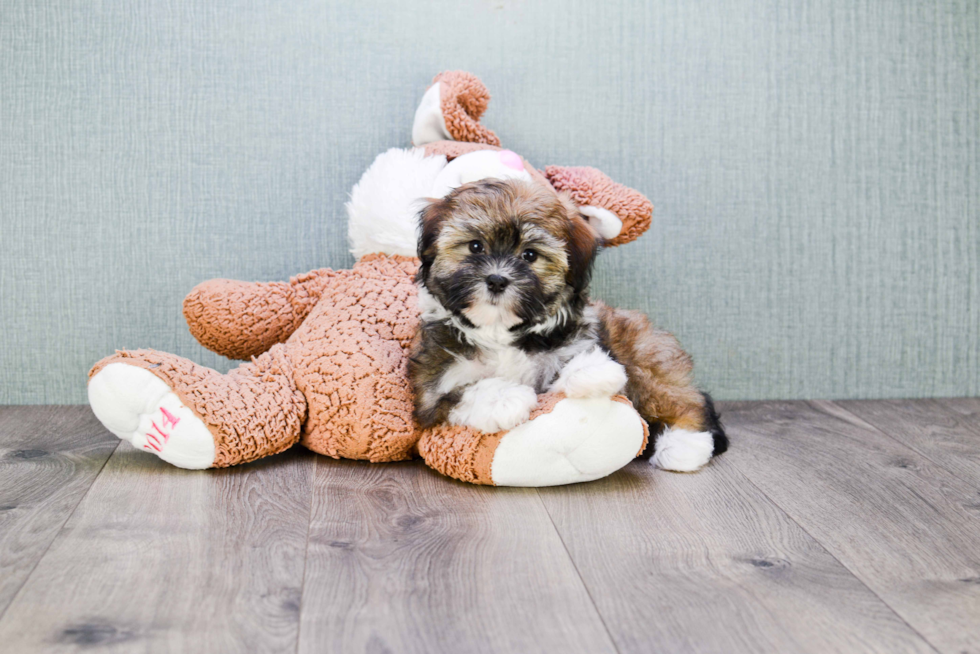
<point x="592" y="374"/>
<point x="493" y="405"/>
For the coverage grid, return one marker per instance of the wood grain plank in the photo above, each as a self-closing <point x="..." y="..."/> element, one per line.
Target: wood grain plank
<point x="706" y="563"/>
<point x="947" y="432"/>
<point x="156" y="558"/>
<point x="908" y="528"/>
<point x="402" y="559"/>
<point x="49" y="457"/>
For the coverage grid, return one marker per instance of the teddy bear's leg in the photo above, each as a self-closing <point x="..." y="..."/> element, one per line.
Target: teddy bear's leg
<point x="194" y="417"/>
<point x="566" y="441"/>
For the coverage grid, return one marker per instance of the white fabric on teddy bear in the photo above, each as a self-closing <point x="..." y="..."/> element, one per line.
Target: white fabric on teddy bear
<point x="384" y="205"/>
<point x="474" y="166"/>
<point x="429" y="124"/>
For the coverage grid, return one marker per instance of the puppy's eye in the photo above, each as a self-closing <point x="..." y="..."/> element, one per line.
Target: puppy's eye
<point x="476" y="247"/>
<point x="530" y="256"/>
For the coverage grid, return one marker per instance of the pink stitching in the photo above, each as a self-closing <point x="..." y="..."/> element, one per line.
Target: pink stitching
<point x="169" y="417"/>
<point x="153" y="442"/>
<point x="165" y="437"/>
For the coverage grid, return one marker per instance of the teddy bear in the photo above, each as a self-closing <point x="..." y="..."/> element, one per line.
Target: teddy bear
<point x="326" y="352"/>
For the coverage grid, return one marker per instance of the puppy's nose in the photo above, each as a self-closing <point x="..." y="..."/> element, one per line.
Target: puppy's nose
<point x="497" y="283"/>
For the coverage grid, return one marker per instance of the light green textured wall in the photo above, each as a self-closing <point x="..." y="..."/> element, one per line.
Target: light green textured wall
<point x="814" y="164"/>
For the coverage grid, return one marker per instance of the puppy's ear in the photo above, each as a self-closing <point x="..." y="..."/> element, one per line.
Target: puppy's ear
<point x="431" y="219"/>
<point x="583" y="246"/>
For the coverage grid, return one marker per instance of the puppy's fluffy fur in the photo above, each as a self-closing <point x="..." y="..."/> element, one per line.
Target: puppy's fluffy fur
<point x="503" y="291"/>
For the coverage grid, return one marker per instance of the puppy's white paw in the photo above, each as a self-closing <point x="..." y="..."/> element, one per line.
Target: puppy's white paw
<point x="139" y="407"/>
<point x="682" y="450"/>
<point x="493" y="405"/>
<point x="592" y="374"/>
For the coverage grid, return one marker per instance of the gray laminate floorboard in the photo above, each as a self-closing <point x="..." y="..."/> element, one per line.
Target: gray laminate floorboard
<point x="402" y="559"/>
<point x="158" y="559"/>
<point x="945" y="431"/>
<point x="49" y="456"/>
<point x="706" y="563"/>
<point x="851" y="527"/>
<point x="905" y="526"/>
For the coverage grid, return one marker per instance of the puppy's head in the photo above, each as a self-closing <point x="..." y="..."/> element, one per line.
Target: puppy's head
<point x="505" y="252"/>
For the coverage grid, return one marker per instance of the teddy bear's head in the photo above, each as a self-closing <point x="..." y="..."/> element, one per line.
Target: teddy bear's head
<point x="618" y="213"/>
<point x="452" y="149"/>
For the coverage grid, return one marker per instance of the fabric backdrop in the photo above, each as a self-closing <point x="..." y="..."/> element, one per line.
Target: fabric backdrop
<point x="814" y="166"/>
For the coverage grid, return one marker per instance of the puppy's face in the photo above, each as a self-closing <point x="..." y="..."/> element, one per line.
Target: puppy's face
<point x="505" y="252"/>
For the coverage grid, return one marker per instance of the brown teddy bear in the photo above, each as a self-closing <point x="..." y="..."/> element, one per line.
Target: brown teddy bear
<point x="328" y="350"/>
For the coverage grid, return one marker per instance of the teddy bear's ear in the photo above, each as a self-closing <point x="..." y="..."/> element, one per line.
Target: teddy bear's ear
<point x="618" y="213"/>
<point x="451" y="109"/>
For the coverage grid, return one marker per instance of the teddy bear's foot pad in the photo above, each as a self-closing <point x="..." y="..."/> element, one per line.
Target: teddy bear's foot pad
<point x="139" y="407"/>
<point x="579" y="440"/>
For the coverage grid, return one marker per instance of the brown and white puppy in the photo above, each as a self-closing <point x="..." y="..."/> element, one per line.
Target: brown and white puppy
<point x="503" y="292"/>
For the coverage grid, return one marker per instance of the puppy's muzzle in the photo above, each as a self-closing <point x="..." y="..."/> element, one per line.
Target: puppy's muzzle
<point x="497" y="283"/>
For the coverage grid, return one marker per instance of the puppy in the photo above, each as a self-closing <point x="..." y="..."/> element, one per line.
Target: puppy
<point x="503" y="293"/>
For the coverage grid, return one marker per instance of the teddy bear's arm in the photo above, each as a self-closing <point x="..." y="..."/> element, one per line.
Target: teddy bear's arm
<point x="240" y="320"/>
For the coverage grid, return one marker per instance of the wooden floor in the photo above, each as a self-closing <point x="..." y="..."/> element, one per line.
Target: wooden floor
<point x="829" y="527"/>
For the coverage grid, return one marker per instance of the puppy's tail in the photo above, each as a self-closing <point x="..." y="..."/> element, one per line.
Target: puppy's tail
<point x="713" y="424"/>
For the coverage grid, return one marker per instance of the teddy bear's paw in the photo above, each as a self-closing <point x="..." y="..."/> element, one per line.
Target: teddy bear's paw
<point x="139" y="407"/>
<point x="579" y="440"/>
<point x="493" y="405"/>
<point x="682" y="450"/>
<point x="592" y="374"/>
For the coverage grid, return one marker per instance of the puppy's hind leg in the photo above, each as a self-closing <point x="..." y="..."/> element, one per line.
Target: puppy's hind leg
<point x="661" y="389"/>
<point x="687" y="443"/>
